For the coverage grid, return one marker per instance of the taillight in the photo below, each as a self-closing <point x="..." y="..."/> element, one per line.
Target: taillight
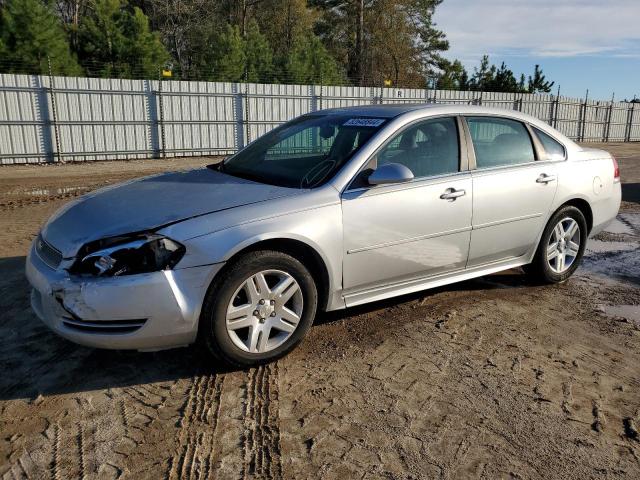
<point x="616" y="169"/>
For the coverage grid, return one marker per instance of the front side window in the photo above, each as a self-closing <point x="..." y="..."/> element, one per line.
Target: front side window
<point x="305" y="152"/>
<point x="552" y="148"/>
<point x="428" y="148"/>
<point x="499" y="142"/>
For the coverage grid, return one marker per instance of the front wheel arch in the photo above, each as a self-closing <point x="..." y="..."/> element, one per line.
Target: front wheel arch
<point x="303" y="252"/>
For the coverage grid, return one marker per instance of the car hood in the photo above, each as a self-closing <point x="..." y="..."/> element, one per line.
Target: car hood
<point x="149" y="203"/>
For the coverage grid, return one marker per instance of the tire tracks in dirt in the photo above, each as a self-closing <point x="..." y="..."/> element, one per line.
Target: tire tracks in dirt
<point x="205" y="427"/>
<point x="261" y="438"/>
<point x="196" y="454"/>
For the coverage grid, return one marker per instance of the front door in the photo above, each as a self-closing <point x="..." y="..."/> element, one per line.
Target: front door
<point x="403" y="232"/>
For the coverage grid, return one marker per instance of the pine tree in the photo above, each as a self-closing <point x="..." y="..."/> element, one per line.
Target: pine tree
<point x="228" y="59"/>
<point x="310" y="62"/>
<point x="453" y="75"/>
<point x="259" y="56"/>
<point x="483" y="75"/>
<point x="375" y="40"/>
<point x="29" y="34"/>
<point x="538" y="83"/>
<point x="116" y="41"/>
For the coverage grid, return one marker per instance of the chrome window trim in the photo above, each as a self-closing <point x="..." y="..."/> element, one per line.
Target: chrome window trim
<point x="482" y="171"/>
<point x="463" y="160"/>
<point x="537" y="149"/>
<point x="564" y="147"/>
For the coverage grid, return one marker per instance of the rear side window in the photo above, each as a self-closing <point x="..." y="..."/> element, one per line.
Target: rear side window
<point x="552" y="148"/>
<point x="499" y="142"/>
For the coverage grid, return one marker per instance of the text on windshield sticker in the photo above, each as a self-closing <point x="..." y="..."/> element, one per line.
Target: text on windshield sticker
<point x="364" y="122"/>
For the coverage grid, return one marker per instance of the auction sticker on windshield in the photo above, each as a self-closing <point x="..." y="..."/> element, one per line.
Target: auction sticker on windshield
<point x="364" y="122"/>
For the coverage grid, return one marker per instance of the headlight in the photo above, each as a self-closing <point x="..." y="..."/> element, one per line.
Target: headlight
<point x="128" y="256"/>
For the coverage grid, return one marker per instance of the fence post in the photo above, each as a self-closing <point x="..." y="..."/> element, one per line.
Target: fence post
<point x="54" y="112"/>
<point x="609" y="115"/>
<point x="163" y="152"/>
<point x="583" y="120"/>
<point x="629" y="126"/>
<point x="152" y="111"/>
<point x="246" y="113"/>
<point x="606" y="127"/>
<point x="555" y="111"/>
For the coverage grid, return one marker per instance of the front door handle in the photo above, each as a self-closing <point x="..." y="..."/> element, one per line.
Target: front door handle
<point x="544" y="178"/>
<point x="451" y="194"/>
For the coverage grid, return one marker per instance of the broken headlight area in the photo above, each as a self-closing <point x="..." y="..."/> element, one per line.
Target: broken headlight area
<point x="128" y="256"/>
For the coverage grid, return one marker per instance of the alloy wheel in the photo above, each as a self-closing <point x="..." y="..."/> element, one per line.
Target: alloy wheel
<point x="564" y="245"/>
<point x="264" y="311"/>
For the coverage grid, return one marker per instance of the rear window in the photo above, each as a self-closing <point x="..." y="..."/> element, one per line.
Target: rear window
<point x="552" y="148"/>
<point x="500" y="142"/>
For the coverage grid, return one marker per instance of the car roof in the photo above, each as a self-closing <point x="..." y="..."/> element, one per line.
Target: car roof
<point x="394" y="110"/>
<point x="391" y="110"/>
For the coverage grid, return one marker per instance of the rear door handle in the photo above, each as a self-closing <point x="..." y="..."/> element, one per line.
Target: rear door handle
<point x="452" y="194"/>
<point x="544" y="178"/>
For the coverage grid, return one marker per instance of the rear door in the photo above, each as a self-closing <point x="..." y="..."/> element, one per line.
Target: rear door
<point x="513" y="190"/>
<point x="396" y="233"/>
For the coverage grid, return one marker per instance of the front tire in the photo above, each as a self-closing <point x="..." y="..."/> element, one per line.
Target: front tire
<point x="561" y="247"/>
<point x="259" y="309"/>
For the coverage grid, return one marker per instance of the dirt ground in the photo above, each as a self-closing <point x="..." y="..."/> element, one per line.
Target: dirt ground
<point x="490" y="378"/>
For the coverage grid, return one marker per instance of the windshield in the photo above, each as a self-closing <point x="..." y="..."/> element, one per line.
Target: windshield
<point x="305" y="152"/>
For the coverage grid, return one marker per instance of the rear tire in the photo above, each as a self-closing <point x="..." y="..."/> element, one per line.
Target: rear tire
<point x="259" y="309"/>
<point x="561" y="246"/>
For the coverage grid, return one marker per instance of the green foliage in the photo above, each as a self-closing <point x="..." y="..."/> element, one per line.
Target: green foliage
<point x="227" y="58"/>
<point x="310" y="62"/>
<point x="489" y="78"/>
<point x="29" y="33"/>
<point x="258" y="54"/>
<point x="376" y="40"/>
<point x="115" y="41"/>
<point x="453" y="76"/>
<point x="538" y="83"/>
<point x="303" y="41"/>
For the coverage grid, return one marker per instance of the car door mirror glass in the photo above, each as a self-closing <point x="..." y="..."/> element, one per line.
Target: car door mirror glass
<point x="390" y="173"/>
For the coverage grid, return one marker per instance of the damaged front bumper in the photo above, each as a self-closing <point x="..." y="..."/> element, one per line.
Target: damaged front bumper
<point x="149" y="311"/>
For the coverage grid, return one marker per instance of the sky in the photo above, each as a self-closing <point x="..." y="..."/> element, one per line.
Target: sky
<point x="580" y="44"/>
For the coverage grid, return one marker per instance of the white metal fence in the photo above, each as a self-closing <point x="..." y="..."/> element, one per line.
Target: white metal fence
<point x="50" y="119"/>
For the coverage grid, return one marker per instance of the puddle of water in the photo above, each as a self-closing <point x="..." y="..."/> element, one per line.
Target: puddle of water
<point x="47" y="192"/>
<point x="630" y="312"/>
<point x="614" y="265"/>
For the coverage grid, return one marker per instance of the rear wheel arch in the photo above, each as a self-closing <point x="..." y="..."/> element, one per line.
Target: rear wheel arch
<point x="582" y="205"/>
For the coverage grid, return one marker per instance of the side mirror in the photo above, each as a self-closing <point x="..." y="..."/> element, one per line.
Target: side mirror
<point x="390" y="173"/>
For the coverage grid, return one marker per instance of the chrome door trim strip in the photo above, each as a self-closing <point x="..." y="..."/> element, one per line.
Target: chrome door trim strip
<point x="509" y="220"/>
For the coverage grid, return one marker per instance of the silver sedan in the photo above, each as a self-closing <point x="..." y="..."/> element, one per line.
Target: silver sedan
<point x="333" y="209"/>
